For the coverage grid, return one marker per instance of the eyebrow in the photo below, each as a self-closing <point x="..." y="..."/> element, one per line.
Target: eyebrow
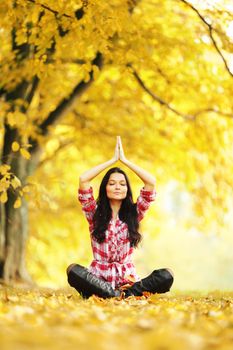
<point x="116" y="180"/>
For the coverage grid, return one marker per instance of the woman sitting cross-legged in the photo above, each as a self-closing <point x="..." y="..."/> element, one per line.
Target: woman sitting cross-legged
<point x="114" y="222"/>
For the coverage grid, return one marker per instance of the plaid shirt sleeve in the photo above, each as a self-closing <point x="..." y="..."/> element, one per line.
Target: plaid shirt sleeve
<point x="143" y="202"/>
<point x="88" y="203"/>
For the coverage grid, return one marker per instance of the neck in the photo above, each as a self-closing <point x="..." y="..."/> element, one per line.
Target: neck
<point x="115" y="206"/>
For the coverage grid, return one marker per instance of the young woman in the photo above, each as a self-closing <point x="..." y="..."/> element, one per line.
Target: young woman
<point x="114" y="222"/>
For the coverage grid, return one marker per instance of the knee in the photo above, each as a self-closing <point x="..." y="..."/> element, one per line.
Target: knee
<point x="169" y="279"/>
<point x="170" y="272"/>
<point x="69" y="268"/>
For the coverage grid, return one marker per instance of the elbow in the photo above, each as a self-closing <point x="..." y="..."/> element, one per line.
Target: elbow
<point x="150" y="185"/>
<point x="82" y="181"/>
<point x="153" y="181"/>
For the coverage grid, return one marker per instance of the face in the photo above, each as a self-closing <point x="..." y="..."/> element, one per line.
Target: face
<point x="116" y="187"/>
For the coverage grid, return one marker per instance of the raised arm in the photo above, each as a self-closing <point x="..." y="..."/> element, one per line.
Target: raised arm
<point x="147" y="178"/>
<point x="87" y="176"/>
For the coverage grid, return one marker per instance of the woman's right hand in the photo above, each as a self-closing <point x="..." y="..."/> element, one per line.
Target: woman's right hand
<point x="117" y="149"/>
<point x="122" y="156"/>
<point x="87" y="176"/>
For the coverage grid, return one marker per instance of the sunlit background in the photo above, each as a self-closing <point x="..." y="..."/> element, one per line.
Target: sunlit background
<point x="165" y="85"/>
<point x="201" y="259"/>
<point x="173" y="235"/>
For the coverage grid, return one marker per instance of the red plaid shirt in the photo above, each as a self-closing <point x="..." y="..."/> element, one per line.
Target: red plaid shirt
<point x="112" y="258"/>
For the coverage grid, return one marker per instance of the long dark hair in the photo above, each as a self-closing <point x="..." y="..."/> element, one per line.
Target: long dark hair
<point x="127" y="212"/>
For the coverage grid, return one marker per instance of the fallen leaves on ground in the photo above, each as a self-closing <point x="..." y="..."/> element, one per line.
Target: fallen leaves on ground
<point x="57" y="319"/>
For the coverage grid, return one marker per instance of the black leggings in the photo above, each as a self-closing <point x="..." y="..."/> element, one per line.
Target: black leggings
<point x="159" y="281"/>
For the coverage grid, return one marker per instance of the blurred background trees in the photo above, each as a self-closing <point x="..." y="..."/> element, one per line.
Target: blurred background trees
<point x="74" y="74"/>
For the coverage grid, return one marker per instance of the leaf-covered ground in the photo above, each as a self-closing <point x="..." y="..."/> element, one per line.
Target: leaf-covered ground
<point x="60" y="319"/>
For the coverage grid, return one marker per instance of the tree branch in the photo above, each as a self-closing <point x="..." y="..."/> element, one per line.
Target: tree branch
<point x="213" y="110"/>
<point x="80" y="12"/>
<point x="49" y="9"/>
<point x="189" y="117"/>
<point x="158" y="99"/>
<point x="30" y="90"/>
<point x="67" y="60"/>
<point x="210" y="29"/>
<point x="60" y="148"/>
<point x="66" y="105"/>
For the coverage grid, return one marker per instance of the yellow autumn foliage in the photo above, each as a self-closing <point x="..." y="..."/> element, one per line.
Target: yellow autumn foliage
<point x="3" y="197"/>
<point x="25" y="153"/>
<point x="58" y="319"/>
<point x="160" y="74"/>
<point x="17" y="203"/>
<point x="164" y="83"/>
<point x="15" y="146"/>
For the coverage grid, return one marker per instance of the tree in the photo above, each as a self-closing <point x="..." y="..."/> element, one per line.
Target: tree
<point x="92" y="62"/>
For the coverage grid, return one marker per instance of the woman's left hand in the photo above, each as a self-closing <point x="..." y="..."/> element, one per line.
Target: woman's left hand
<point x="147" y="178"/>
<point x="117" y="150"/>
<point x="121" y="151"/>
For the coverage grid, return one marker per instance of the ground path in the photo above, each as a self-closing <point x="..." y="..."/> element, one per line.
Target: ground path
<point x="44" y="319"/>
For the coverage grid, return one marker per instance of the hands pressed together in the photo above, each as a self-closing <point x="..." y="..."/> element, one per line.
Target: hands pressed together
<point x="119" y="152"/>
<point x="87" y="176"/>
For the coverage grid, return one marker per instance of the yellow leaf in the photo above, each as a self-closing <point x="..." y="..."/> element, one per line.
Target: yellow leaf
<point x="3" y="197"/>
<point x="3" y="187"/>
<point x="21" y="38"/>
<point x="17" y="203"/>
<point x="15" y="146"/>
<point x="26" y="189"/>
<point x="16" y="118"/>
<point x="4" y="184"/>
<point x="4" y="169"/>
<point x="25" y="153"/>
<point x="15" y="182"/>
<point x="86" y="77"/>
<point x="11" y="119"/>
<point x="130" y="278"/>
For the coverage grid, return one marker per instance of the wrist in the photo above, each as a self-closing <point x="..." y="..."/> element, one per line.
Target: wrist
<point x="112" y="161"/>
<point x="124" y="160"/>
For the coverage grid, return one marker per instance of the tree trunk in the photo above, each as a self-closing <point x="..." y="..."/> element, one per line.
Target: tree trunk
<point x="14" y="222"/>
<point x="15" y="243"/>
<point x="14" y="229"/>
<point x="2" y="237"/>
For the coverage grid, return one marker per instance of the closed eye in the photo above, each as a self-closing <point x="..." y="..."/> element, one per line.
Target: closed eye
<point x="113" y="183"/>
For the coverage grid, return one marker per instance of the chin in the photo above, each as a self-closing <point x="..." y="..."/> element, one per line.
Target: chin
<point x="117" y="197"/>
